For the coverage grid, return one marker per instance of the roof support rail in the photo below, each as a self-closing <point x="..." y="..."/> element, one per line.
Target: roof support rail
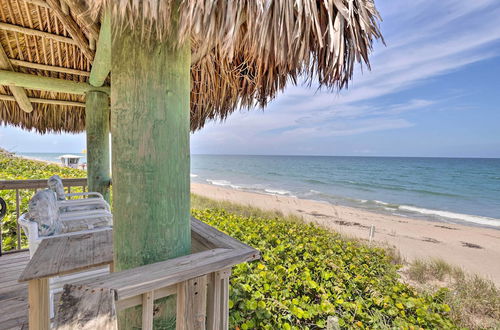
<point x="30" y="81"/>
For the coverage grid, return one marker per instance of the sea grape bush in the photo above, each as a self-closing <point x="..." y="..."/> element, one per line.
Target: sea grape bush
<point x="14" y="168"/>
<point x="307" y="274"/>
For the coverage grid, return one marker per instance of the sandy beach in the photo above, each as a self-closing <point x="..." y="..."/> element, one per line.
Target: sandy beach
<point x="475" y="249"/>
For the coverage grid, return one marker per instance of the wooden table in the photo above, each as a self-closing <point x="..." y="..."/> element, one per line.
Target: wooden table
<point x="61" y="255"/>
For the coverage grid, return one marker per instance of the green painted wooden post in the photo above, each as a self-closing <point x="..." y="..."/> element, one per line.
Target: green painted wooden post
<point x="150" y="102"/>
<point x="97" y="128"/>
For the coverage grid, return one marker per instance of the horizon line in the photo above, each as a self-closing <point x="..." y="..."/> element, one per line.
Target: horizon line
<point x="295" y="155"/>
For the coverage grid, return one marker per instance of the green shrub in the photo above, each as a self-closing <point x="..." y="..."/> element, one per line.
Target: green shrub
<point x="15" y="168"/>
<point x="307" y="274"/>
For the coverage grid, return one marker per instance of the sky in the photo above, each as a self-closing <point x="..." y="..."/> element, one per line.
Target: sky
<point x="433" y="91"/>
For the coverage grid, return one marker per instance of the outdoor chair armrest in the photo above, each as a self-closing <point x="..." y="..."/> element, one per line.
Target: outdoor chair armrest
<point x="84" y="202"/>
<point x="30" y="228"/>
<point x="86" y="214"/>
<point x="90" y="193"/>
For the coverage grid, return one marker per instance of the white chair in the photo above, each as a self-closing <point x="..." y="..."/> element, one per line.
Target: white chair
<point x="88" y="200"/>
<point x="75" y="217"/>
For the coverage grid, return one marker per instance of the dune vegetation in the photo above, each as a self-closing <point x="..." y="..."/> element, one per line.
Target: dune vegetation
<point x="307" y="274"/>
<point x="474" y="301"/>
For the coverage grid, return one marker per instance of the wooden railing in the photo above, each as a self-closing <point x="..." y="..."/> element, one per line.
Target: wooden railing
<point x="16" y="194"/>
<point x="200" y="282"/>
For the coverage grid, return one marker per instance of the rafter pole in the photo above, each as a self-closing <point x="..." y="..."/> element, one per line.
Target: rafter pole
<point x="46" y="67"/>
<point x="30" y="81"/>
<point x="19" y="93"/>
<point x="4" y="97"/>
<point x="34" y="32"/>
<point x="102" y="60"/>
<point x="74" y="30"/>
<point x="80" y="11"/>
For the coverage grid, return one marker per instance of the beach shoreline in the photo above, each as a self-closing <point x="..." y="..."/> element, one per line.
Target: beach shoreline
<point x="473" y="248"/>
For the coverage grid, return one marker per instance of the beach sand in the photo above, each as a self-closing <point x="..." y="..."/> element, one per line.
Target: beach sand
<point x="475" y="249"/>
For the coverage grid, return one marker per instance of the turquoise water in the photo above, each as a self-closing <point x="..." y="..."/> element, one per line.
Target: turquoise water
<point x="465" y="191"/>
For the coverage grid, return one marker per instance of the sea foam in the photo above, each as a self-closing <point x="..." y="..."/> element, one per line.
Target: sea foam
<point x="451" y="215"/>
<point x="223" y="183"/>
<point x="278" y="191"/>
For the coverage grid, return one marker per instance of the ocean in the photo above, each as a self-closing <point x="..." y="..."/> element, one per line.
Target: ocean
<point x="453" y="190"/>
<point x="464" y="191"/>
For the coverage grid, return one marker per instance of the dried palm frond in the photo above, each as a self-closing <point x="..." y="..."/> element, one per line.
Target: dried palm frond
<point x="244" y="51"/>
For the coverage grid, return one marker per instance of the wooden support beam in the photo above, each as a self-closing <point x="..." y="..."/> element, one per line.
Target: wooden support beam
<point x="102" y="60"/>
<point x="38" y="300"/>
<point x="97" y="128"/>
<point x="79" y="10"/>
<point x="19" y="93"/>
<point x="30" y="81"/>
<point x="150" y="133"/>
<point x="74" y="30"/>
<point x="38" y="66"/>
<point x="45" y="101"/>
<point x="37" y="33"/>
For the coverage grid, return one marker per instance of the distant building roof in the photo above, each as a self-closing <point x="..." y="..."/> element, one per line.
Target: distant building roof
<point x="70" y="156"/>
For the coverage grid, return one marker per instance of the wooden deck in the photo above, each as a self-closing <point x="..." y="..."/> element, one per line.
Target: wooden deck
<point x="13" y="295"/>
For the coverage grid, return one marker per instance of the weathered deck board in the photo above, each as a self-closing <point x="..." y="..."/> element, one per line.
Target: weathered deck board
<point x="13" y="295"/>
<point x="62" y="254"/>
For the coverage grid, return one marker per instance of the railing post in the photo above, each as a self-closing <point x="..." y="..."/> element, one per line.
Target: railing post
<point x="224" y="316"/>
<point x="18" y="227"/>
<point x="218" y="300"/>
<point x="3" y="212"/>
<point x="213" y="299"/>
<point x="147" y="310"/>
<point x="192" y="304"/>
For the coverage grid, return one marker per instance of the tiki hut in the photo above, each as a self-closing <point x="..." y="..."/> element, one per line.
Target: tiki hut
<point x="242" y="52"/>
<point x="149" y="72"/>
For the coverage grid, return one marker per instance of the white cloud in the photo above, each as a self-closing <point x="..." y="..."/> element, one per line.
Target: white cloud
<point x="346" y="128"/>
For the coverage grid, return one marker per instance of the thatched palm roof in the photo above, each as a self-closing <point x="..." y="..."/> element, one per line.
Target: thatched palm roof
<point x="243" y="51"/>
